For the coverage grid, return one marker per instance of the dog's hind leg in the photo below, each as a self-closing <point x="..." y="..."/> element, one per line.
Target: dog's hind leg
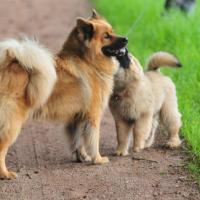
<point x="81" y="151"/>
<point x="4" y="173"/>
<point x="150" y="140"/>
<point x="141" y="131"/>
<point x="82" y="155"/>
<point x="12" y="116"/>
<point x="171" y="119"/>
<point x="76" y="133"/>
<point x="7" y="137"/>
<point x="123" y="136"/>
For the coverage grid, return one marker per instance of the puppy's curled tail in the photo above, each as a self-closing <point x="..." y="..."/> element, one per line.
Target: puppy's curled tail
<point x="160" y="58"/>
<point x="36" y="61"/>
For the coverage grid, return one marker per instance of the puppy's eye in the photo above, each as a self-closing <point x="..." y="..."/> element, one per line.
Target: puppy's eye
<point x="106" y="36"/>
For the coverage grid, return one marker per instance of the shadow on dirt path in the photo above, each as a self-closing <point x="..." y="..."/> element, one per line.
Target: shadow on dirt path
<point x="39" y="155"/>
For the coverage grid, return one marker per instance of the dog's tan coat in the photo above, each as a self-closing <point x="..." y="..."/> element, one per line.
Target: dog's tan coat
<point x="72" y="87"/>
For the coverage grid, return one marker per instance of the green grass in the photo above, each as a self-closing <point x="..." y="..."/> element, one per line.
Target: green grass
<point x="173" y="32"/>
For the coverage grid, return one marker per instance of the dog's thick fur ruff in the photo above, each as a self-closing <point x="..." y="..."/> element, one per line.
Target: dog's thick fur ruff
<point x="72" y="87"/>
<point x="141" y="99"/>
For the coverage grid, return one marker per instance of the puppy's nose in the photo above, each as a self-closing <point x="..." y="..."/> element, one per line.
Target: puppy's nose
<point x="125" y="40"/>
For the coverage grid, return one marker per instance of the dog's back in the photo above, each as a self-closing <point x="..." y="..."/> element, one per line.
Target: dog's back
<point x="161" y="85"/>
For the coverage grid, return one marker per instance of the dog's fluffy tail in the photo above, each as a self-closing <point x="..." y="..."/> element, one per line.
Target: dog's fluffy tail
<point x="160" y="58"/>
<point x="37" y="61"/>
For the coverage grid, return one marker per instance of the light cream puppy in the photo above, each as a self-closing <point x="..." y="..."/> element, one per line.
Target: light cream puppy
<point x="142" y="99"/>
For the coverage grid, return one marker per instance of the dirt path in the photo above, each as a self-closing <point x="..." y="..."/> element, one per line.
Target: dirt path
<point x="39" y="155"/>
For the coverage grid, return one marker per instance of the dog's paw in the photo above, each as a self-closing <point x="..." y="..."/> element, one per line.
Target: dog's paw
<point x="173" y="143"/>
<point x="8" y="175"/>
<point x="147" y="145"/>
<point x="80" y="157"/>
<point x="84" y="159"/>
<point x="137" y="149"/>
<point x="120" y="152"/>
<point x="87" y="159"/>
<point x="101" y="160"/>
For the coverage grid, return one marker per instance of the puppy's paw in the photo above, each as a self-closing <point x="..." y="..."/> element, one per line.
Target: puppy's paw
<point x="8" y="175"/>
<point x="121" y="152"/>
<point x="147" y="145"/>
<point x="139" y="146"/>
<point x="173" y="143"/>
<point x="101" y="160"/>
<point x="137" y="149"/>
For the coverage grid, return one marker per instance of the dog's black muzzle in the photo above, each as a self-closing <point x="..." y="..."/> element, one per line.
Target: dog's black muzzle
<point x="117" y="48"/>
<point x="124" y="59"/>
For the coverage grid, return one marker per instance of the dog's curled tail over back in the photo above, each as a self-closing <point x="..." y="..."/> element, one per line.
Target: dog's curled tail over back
<point x="160" y="59"/>
<point x="37" y="61"/>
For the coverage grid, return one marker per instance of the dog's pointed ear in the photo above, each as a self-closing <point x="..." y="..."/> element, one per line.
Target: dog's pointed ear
<point x="95" y="15"/>
<point x="81" y="22"/>
<point x="85" y="27"/>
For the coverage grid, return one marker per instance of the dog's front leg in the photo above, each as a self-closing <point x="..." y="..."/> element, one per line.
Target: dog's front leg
<point x="123" y="136"/>
<point x="93" y="143"/>
<point x="141" y="131"/>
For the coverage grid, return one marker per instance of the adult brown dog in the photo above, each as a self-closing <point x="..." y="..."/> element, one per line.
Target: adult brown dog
<point x="142" y="99"/>
<point x="84" y="70"/>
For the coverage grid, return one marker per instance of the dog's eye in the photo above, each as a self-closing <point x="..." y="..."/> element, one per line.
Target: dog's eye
<point x="106" y="36"/>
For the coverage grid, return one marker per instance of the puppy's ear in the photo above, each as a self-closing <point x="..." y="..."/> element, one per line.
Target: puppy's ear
<point x="86" y="28"/>
<point x="95" y="15"/>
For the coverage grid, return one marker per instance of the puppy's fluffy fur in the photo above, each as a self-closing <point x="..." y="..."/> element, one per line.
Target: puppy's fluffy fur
<point x="141" y="99"/>
<point x="72" y="87"/>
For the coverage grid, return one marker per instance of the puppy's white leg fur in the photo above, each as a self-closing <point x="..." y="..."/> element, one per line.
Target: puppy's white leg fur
<point x="172" y="120"/>
<point x="123" y="136"/>
<point x="151" y="138"/>
<point x="141" y="131"/>
<point x="174" y="140"/>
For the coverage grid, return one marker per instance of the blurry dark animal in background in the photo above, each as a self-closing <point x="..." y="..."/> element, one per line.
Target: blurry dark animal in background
<point x="186" y="6"/>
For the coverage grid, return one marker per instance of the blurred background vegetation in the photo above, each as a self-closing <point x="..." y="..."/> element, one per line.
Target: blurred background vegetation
<point x="174" y="32"/>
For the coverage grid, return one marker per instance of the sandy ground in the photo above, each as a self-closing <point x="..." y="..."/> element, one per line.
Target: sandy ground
<point x="39" y="155"/>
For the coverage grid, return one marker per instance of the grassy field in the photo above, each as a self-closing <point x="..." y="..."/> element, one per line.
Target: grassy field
<point x="173" y="32"/>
